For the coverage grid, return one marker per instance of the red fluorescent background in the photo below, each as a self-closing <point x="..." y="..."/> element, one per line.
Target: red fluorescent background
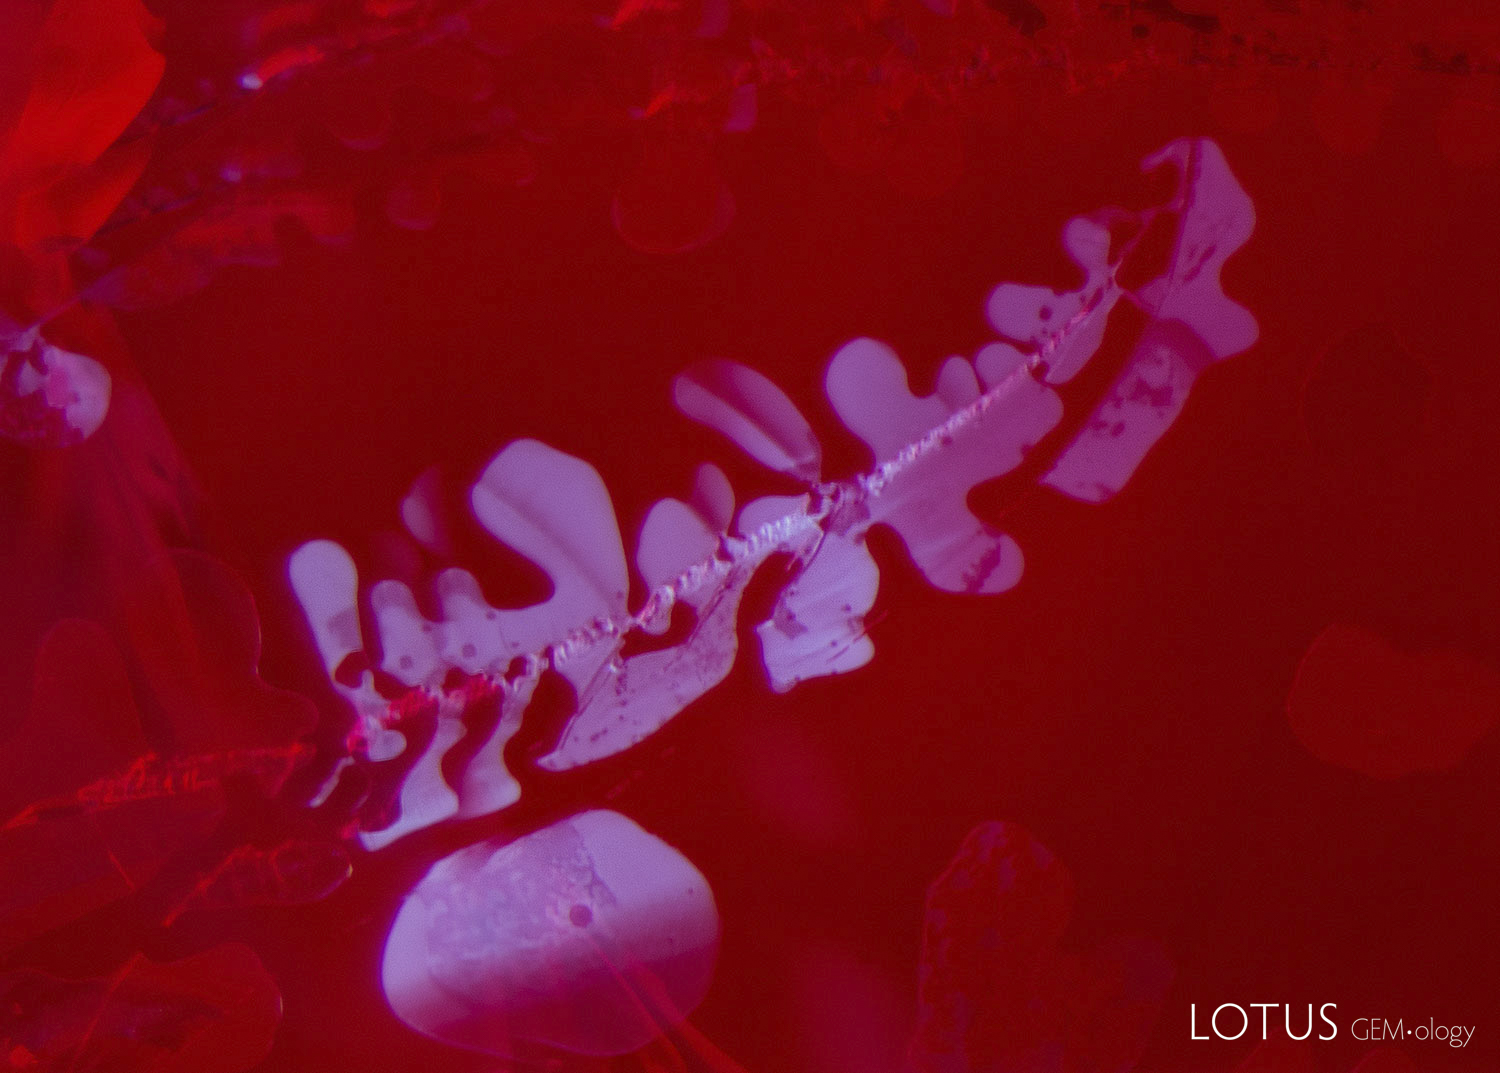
<point x="1126" y="703"/>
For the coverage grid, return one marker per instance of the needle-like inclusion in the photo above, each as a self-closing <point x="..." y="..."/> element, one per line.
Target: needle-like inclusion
<point x="930" y="451"/>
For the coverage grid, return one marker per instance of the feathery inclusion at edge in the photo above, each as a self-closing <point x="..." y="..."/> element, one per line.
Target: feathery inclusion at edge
<point x="930" y="451"/>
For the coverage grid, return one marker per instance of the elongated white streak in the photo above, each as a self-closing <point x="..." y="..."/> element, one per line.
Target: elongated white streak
<point x="589" y="653"/>
<point x="788" y="531"/>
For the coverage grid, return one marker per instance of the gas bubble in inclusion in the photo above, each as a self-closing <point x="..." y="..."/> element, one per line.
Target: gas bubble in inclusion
<point x="590" y="936"/>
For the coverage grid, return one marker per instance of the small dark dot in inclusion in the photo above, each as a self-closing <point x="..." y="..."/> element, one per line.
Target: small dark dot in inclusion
<point x="581" y="915"/>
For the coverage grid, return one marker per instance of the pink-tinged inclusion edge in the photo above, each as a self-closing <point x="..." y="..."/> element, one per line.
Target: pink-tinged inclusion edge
<point x="589" y="935"/>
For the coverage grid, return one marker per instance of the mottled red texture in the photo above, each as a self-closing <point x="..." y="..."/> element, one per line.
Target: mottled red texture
<point x="121" y="767"/>
<point x="214" y="1012"/>
<point x="1361" y="703"/>
<point x="999" y="990"/>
